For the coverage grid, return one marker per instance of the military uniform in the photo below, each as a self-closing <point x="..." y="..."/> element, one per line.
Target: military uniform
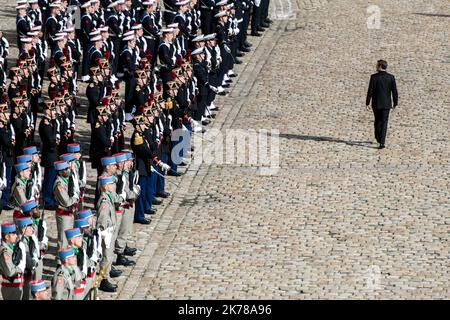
<point x="100" y="144"/>
<point x="106" y="224"/>
<point x="66" y="207"/>
<point x="18" y="195"/>
<point x="33" y="259"/>
<point x="126" y="223"/>
<point x="65" y="281"/>
<point x="92" y="245"/>
<point x="47" y="133"/>
<point x="12" y="268"/>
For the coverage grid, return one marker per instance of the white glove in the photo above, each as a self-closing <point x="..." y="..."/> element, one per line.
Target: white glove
<point x="2" y="183"/>
<point x="227" y="49"/>
<point x="195" y="125"/>
<point x="164" y="166"/>
<point x="137" y="189"/>
<point x="107" y="236"/>
<point x="214" y="88"/>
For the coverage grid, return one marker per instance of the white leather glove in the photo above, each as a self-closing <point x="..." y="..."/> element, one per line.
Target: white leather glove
<point x="214" y="88"/>
<point x="195" y="125"/>
<point x="164" y="166"/>
<point x="107" y="236"/>
<point x="137" y="189"/>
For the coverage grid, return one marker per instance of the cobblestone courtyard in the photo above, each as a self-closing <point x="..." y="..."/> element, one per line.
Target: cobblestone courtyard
<point x="340" y="219"/>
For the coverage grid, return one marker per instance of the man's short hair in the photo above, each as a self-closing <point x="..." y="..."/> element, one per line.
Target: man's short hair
<point x="382" y="64"/>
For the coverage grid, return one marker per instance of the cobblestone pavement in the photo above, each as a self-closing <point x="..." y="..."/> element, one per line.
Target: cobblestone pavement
<point x="340" y="219"/>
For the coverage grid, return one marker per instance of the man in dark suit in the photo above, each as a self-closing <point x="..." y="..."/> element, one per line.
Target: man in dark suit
<point x="382" y="85"/>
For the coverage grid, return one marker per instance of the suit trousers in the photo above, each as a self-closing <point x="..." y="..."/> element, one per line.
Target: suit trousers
<point x="381" y="124"/>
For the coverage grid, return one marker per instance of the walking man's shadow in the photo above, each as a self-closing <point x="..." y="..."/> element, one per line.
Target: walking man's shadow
<point x="365" y="144"/>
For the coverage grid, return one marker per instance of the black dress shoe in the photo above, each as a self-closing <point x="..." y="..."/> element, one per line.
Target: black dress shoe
<point x="114" y="273"/>
<point x="233" y="75"/>
<point x="124" y="261"/>
<point x="211" y="116"/>
<point x="264" y="24"/>
<point x="261" y="29"/>
<point x="129" y="251"/>
<point x="238" y="61"/>
<point x="150" y="211"/>
<point x="223" y="93"/>
<point x="163" y="194"/>
<point x="381" y="146"/>
<point x="9" y="208"/>
<point x="239" y="54"/>
<point x="226" y="85"/>
<point x="244" y="49"/>
<point x="174" y="174"/>
<point x="247" y="44"/>
<point x="157" y="201"/>
<point x="255" y="34"/>
<point x="182" y="164"/>
<point x="229" y="80"/>
<point x="106" y="286"/>
<point x="144" y="221"/>
<point x="268" y="20"/>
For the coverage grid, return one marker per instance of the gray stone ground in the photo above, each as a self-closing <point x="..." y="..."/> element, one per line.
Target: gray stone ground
<point x="340" y="219"/>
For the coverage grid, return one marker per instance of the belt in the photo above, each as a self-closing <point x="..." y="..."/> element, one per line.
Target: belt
<point x="18" y="281"/>
<point x="80" y="289"/>
<point x="62" y="212"/>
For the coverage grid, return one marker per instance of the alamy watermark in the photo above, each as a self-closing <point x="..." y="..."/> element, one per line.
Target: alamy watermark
<point x="374" y="19"/>
<point x="282" y="10"/>
<point x="258" y="149"/>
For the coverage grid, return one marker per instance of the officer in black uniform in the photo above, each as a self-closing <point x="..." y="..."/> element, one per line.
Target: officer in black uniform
<point x="127" y="66"/>
<point x="49" y="145"/>
<point x="100" y="139"/>
<point x="7" y="141"/>
<point x="94" y="93"/>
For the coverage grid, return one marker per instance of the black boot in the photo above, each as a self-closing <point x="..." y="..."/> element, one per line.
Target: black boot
<point x="106" y="286"/>
<point x="150" y="211"/>
<point x="129" y="251"/>
<point x="123" y="261"/>
<point x="114" y="273"/>
<point x="156" y="201"/>
<point x="163" y="194"/>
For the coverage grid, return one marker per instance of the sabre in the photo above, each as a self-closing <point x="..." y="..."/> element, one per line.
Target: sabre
<point x="164" y="177"/>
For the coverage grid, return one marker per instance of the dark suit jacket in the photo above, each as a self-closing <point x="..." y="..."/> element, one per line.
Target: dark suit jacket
<point x="381" y="86"/>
